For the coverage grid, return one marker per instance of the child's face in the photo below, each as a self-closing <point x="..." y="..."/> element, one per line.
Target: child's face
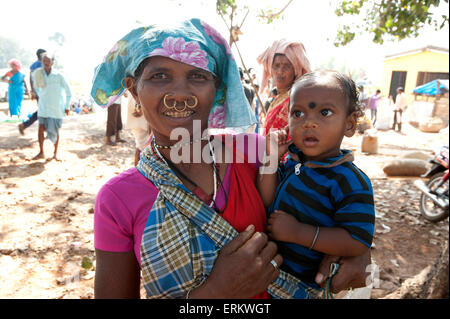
<point x="319" y="120"/>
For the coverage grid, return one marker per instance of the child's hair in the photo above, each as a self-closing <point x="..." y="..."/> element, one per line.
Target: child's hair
<point x="347" y="85"/>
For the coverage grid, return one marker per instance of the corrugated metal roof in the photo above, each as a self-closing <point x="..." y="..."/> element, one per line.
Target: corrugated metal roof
<point x="418" y="50"/>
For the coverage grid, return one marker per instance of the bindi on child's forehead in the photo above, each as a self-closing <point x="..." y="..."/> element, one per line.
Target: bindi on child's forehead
<point x="312" y="105"/>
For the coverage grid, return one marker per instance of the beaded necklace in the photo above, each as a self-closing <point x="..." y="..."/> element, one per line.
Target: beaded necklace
<point x="198" y="191"/>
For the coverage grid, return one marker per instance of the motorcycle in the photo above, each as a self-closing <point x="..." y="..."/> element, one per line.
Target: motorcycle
<point x="434" y="202"/>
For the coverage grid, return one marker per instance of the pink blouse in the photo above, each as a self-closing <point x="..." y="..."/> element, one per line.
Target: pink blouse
<point x="123" y="204"/>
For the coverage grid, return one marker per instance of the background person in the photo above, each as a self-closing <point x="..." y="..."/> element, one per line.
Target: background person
<point x="54" y="101"/>
<point x="33" y="118"/>
<point x="399" y="107"/>
<point x="363" y="97"/>
<point x="17" y="87"/>
<point x="114" y="123"/>
<point x="284" y="61"/>
<point x="248" y="90"/>
<point x="373" y="106"/>
<point x="138" y="125"/>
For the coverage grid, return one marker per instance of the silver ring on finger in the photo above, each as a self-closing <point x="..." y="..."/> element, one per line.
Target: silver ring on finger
<point x="274" y="264"/>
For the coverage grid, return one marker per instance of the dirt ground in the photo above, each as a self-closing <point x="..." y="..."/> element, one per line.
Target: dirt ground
<point x="46" y="207"/>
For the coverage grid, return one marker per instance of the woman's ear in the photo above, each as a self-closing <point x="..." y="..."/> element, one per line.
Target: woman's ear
<point x="130" y="83"/>
<point x="351" y="122"/>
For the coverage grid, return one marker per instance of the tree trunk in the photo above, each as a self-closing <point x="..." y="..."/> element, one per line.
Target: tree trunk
<point x="430" y="283"/>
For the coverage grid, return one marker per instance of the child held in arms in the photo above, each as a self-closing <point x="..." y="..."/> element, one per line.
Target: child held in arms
<point x="318" y="201"/>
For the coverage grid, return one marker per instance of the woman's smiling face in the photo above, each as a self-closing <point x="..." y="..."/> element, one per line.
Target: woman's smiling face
<point x="165" y="82"/>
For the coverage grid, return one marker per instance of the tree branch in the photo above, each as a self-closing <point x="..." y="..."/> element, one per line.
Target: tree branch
<point x="272" y="15"/>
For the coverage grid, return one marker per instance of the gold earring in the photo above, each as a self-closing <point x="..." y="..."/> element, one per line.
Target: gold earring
<point x="121" y="84"/>
<point x="137" y="110"/>
<point x="191" y="106"/>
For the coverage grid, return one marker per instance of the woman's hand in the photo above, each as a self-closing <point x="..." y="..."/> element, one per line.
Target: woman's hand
<point x="242" y="269"/>
<point x="351" y="274"/>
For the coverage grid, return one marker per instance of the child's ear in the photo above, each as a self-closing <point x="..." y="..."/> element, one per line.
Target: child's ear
<point x="351" y="122"/>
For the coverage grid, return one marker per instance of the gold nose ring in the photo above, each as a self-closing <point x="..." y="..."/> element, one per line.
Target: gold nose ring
<point x="186" y="104"/>
<point x="165" y="102"/>
<point x="195" y="102"/>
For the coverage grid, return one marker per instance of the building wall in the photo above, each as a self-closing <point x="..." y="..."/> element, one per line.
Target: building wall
<point x="427" y="61"/>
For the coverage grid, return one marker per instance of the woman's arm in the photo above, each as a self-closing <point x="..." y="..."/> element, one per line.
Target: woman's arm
<point x="117" y="275"/>
<point x="26" y="87"/>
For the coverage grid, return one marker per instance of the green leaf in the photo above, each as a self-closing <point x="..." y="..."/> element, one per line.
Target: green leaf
<point x="86" y="263"/>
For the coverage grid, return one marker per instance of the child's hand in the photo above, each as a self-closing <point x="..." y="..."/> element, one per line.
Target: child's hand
<point x="282" y="226"/>
<point x="277" y="143"/>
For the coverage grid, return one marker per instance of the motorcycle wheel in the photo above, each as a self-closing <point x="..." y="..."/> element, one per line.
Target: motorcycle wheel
<point x="429" y="209"/>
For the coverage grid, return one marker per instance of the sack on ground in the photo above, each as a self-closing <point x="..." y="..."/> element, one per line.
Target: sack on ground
<point x="405" y="167"/>
<point x="431" y="125"/>
<point x="417" y="155"/>
<point x="369" y="143"/>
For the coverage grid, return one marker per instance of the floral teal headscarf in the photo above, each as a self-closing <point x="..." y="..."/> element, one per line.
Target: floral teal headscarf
<point x="193" y="42"/>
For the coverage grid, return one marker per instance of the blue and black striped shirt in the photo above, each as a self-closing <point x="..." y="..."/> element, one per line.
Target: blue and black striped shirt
<point x="330" y="193"/>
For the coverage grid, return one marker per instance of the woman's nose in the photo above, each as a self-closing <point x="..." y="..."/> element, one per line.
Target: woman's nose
<point x="180" y="89"/>
<point x="178" y="92"/>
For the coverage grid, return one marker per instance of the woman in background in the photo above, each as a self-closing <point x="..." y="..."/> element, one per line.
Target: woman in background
<point x="284" y="61"/>
<point x="17" y="87"/>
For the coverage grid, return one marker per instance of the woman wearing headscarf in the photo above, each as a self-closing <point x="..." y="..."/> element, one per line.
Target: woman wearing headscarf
<point x="191" y="227"/>
<point x="17" y="87"/>
<point x="284" y="61"/>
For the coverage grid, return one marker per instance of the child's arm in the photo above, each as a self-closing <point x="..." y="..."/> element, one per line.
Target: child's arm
<point x="334" y="241"/>
<point x="267" y="180"/>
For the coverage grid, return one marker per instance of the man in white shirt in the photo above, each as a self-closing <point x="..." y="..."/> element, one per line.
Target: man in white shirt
<point x="400" y="106"/>
<point x="54" y="98"/>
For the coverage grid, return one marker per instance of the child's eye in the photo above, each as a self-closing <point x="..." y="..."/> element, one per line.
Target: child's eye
<point x="326" y="112"/>
<point x="297" y="114"/>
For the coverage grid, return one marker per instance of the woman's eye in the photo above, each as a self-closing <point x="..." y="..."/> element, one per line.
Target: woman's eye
<point x="198" y="77"/>
<point x="297" y="114"/>
<point x="159" y="76"/>
<point x="326" y="112"/>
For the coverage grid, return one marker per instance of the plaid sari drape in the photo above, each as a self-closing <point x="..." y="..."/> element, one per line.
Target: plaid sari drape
<point x="183" y="237"/>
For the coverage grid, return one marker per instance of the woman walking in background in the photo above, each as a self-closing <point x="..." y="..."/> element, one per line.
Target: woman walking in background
<point x="17" y="87"/>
